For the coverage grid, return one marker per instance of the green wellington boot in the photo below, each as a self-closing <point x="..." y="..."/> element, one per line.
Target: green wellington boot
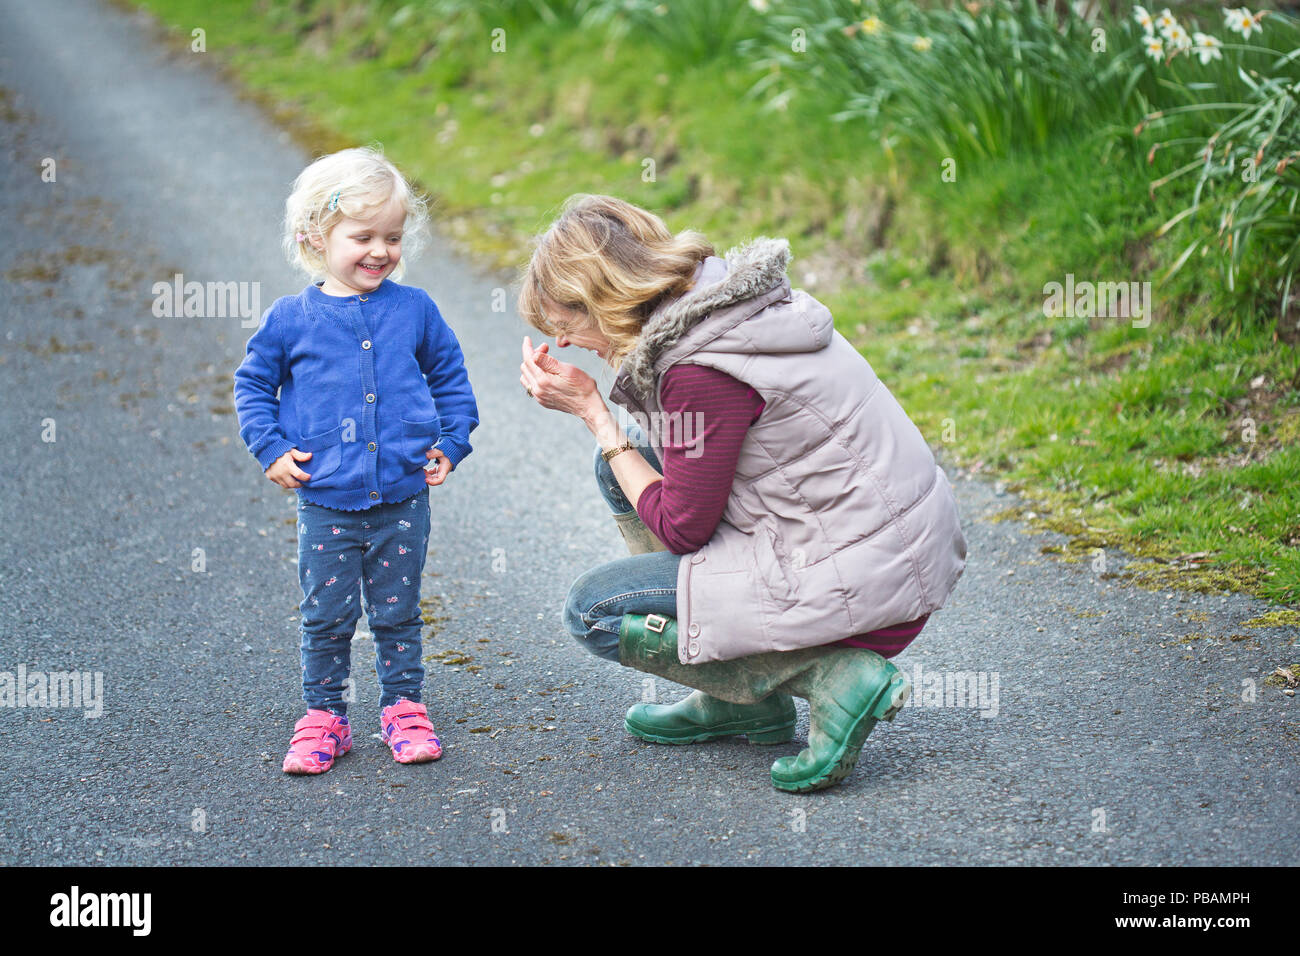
<point x="700" y="717"/>
<point x="848" y="690"/>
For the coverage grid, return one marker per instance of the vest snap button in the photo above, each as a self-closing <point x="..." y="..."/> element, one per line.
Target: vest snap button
<point x="693" y="630"/>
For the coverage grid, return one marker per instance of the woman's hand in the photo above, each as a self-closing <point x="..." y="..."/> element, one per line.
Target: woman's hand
<point x="437" y="474"/>
<point x="284" y="471"/>
<point x="555" y="384"/>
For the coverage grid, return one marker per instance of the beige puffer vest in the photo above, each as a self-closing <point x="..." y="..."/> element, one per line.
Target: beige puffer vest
<point x="839" y="520"/>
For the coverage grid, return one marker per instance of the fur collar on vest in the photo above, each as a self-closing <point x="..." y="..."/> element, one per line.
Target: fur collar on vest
<point x="752" y="268"/>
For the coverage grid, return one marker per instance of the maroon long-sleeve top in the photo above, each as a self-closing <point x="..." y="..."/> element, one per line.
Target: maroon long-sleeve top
<point x="684" y="508"/>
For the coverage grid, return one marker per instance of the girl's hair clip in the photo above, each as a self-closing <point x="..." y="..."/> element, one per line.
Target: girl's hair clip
<point x="300" y="237"/>
<point x="334" y="201"/>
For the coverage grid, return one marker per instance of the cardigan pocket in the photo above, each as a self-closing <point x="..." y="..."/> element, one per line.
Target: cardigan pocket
<point x="418" y="438"/>
<point x="326" y="454"/>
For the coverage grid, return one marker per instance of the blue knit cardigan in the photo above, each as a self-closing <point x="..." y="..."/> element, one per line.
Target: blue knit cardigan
<point x="367" y="384"/>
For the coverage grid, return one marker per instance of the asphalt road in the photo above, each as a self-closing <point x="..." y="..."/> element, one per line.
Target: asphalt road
<point x="1116" y="738"/>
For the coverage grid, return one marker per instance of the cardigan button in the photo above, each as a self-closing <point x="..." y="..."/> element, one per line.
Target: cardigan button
<point x="696" y="558"/>
<point x="365" y="344"/>
<point x="370" y="399"/>
<point x="374" y="495"/>
<point x="364" y="298"/>
<point x="693" y="630"/>
<point x="693" y="648"/>
<point x="371" y="446"/>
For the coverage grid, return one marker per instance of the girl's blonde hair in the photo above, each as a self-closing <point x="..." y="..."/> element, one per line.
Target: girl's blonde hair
<point x="611" y="261"/>
<point x="350" y="184"/>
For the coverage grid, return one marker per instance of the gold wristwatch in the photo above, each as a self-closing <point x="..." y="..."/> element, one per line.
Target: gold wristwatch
<point x="626" y="446"/>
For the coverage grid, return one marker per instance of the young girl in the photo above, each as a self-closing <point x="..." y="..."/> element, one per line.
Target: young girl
<point x="372" y="389"/>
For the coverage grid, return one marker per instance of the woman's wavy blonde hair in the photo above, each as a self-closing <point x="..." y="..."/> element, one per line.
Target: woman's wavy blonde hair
<point x="610" y="261"/>
<point x="350" y="184"/>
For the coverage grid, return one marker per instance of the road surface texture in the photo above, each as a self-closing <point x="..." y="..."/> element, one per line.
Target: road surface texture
<point x="143" y="544"/>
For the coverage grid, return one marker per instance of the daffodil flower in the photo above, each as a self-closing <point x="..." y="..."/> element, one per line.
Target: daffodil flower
<point x="871" y="25"/>
<point x="1242" y="21"/>
<point x="1178" y="38"/>
<point x="1207" y="47"/>
<point x="922" y="44"/>
<point x="1143" y="18"/>
<point x="1155" y="47"/>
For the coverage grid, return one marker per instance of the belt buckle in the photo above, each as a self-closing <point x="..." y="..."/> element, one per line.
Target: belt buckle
<point x="652" y="619"/>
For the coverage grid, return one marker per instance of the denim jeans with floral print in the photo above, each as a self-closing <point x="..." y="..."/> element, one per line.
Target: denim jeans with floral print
<point x="342" y="555"/>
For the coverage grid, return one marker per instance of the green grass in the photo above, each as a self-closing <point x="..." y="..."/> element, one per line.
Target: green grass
<point x="1120" y="437"/>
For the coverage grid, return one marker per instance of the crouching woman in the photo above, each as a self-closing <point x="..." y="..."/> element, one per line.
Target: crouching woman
<point x="788" y="525"/>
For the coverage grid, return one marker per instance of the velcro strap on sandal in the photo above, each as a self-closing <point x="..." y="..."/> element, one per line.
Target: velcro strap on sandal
<point x="319" y="723"/>
<point x="313" y="728"/>
<point x="413" y="722"/>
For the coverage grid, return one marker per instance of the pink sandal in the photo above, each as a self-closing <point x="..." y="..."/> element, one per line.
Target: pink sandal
<point x="317" y="739"/>
<point x="408" y="732"/>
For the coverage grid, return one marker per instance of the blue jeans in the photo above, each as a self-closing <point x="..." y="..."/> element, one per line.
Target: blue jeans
<point x="637" y="584"/>
<point x="380" y="553"/>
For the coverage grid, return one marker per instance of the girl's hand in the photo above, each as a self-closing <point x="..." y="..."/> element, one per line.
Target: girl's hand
<point x="285" y="472"/>
<point x="556" y="384"/>
<point x="437" y="474"/>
